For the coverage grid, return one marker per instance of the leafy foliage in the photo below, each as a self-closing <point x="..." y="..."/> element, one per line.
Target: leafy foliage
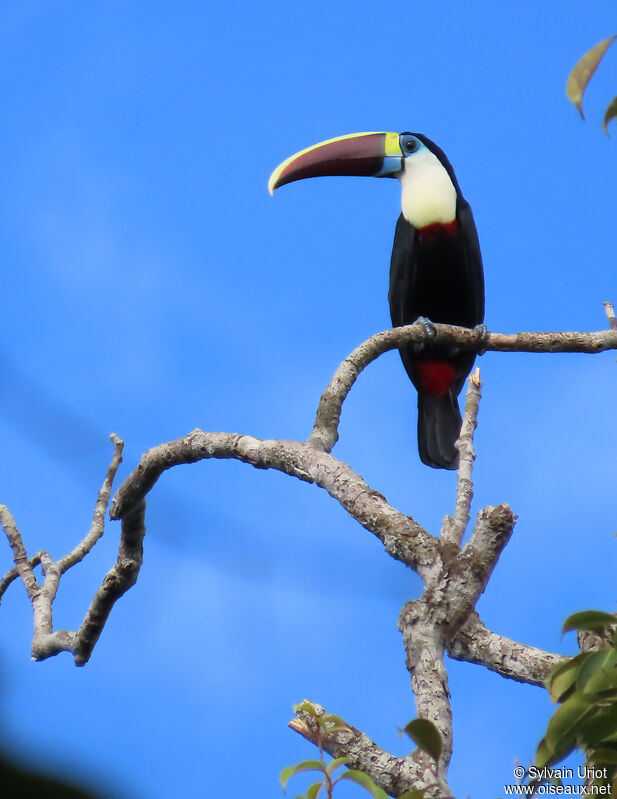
<point x="423" y="733"/>
<point x="323" y="725"/>
<point x="586" y="689"/>
<point x="581" y="75"/>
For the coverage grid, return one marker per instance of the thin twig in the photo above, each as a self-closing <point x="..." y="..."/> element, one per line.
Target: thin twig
<point x="20" y="557"/>
<point x="13" y="574"/>
<point x="609" y="309"/>
<point x="98" y="520"/>
<point x="454" y="526"/>
<point x="47" y="642"/>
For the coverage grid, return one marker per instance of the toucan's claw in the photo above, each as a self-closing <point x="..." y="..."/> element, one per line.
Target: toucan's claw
<point x="427" y="325"/>
<point x="429" y="329"/>
<point x="484" y="334"/>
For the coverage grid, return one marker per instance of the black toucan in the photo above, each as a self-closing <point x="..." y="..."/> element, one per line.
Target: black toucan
<point x="435" y="270"/>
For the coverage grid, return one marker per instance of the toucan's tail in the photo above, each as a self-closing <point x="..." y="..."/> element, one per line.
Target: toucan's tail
<point x="439" y="426"/>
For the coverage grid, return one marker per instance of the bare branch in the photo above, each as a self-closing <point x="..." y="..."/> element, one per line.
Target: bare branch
<point x="117" y="581"/>
<point x="401" y="536"/>
<point x="325" y="428"/>
<point x="420" y="622"/>
<point x="454" y="527"/>
<point x="474" y="643"/>
<point x="479" y="556"/>
<point x="394" y="775"/>
<point x="454" y="583"/>
<point x="609" y="309"/>
<point x="98" y="521"/>
<point x="590" y="343"/>
<point x="20" y="557"/>
<point x="442" y="620"/>
<point x="429" y="623"/>
<point x="45" y="641"/>
<point x="13" y="574"/>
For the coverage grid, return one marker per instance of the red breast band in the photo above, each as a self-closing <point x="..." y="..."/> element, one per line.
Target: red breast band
<point x="438" y="229"/>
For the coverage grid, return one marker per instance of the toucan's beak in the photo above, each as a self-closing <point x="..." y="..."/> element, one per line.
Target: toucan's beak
<point x="368" y="154"/>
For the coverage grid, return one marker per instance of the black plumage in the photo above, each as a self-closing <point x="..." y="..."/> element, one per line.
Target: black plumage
<point x="436" y="272"/>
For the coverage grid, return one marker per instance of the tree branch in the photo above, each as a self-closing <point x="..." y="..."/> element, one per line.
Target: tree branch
<point x="479" y="556"/>
<point x="121" y="577"/>
<point x="45" y="641"/>
<point x="394" y="775"/>
<point x="98" y="520"/>
<point x="442" y="620"/>
<point x="474" y="643"/>
<point x="420" y="623"/>
<point x="325" y="427"/>
<point x="402" y="537"/>
<point x="454" y="527"/>
<point x="13" y="574"/>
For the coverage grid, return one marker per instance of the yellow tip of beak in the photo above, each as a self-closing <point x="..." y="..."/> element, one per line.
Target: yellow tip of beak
<point x="277" y="172"/>
<point x="391" y="141"/>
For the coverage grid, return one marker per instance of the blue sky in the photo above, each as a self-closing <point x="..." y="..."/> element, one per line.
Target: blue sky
<point x="153" y="286"/>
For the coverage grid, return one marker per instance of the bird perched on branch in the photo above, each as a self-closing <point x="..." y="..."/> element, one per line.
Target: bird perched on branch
<point x="436" y="270"/>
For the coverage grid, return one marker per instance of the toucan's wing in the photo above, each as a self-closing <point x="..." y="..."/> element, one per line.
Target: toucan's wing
<point x="474" y="277"/>
<point x="402" y="271"/>
<point x="402" y="275"/>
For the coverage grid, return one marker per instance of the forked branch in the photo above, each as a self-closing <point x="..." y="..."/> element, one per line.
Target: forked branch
<point x="46" y="642"/>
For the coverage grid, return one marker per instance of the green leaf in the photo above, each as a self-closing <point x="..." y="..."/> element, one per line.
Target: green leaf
<point x="590" y="620"/>
<point x="313" y="791"/>
<point x="411" y="795"/>
<point x="598" y="661"/>
<point x="602" y="686"/>
<point x="600" y="728"/>
<point x="426" y="736"/>
<point x="544" y="754"/>
<point x="334" y="764"/>
<point x="565" y="724"/>
<point x="562" y="677"/>
<point x="582" y="72"/>
<point x="603" y="757"/>
<point x="362" y="779"/>
<point x="608" y="740"/>
<point x="610" y="113"/>
<point x="306" y="765"/>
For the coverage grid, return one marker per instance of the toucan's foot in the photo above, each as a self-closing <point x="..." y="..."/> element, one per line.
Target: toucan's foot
<point x="427" y="326"/>
<point x="483" y="332"/>
<point x="429" y="329"/>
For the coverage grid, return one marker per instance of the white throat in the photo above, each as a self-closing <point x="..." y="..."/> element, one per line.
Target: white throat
<point x="429" y="195"/>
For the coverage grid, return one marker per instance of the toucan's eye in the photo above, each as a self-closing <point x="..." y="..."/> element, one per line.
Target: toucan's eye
<point x="411" y="145"/>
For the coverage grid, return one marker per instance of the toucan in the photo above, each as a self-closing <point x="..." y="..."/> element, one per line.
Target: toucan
<point x="436" y="272"/>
